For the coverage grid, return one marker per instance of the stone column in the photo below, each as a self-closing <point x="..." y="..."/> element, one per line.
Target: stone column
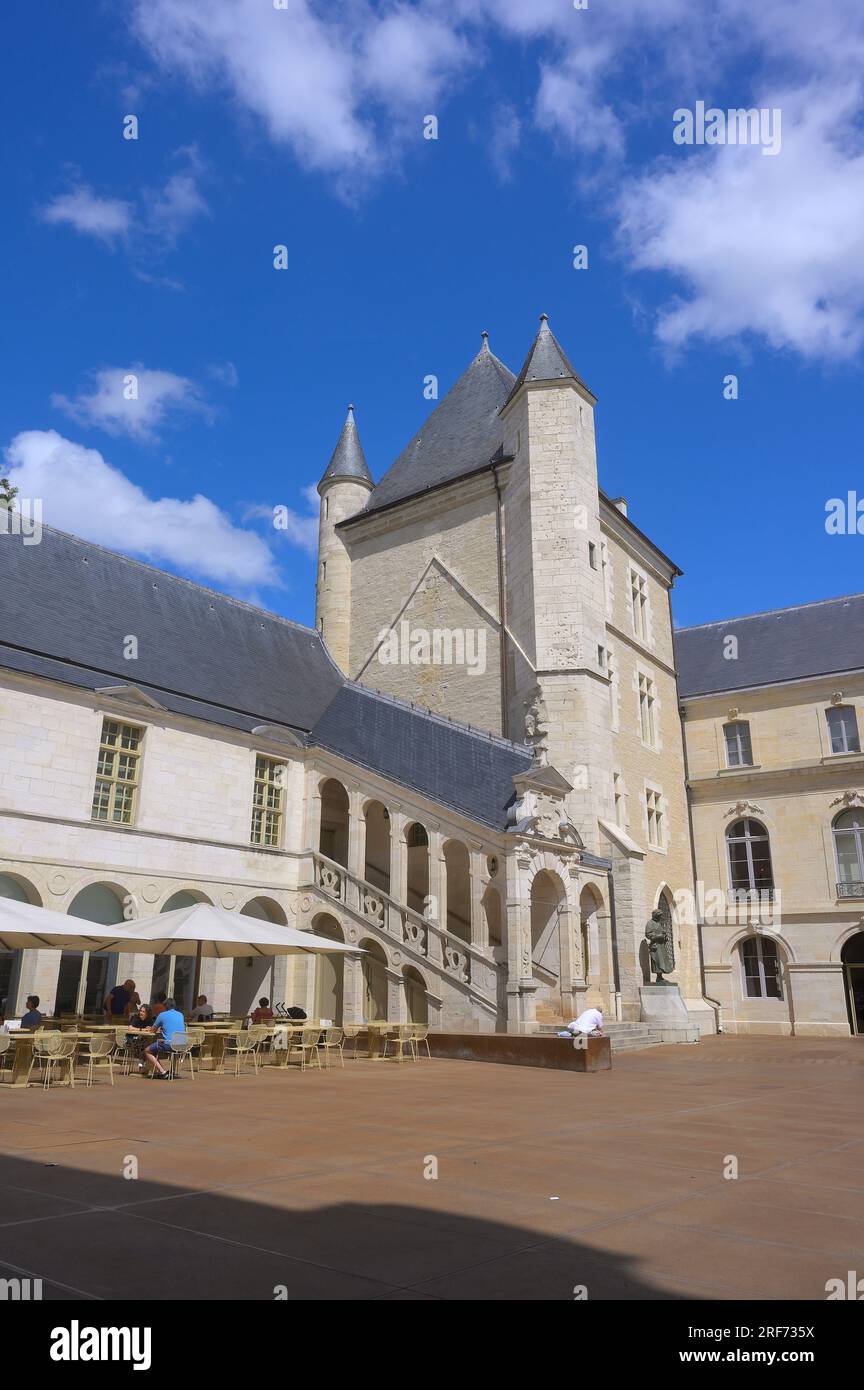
<point x="398" y="856"/>
<point x="479" y="880"/>
<point x="312" y="829"/>
<point x="397" y="1005"/>
<point x="356" y="835"/>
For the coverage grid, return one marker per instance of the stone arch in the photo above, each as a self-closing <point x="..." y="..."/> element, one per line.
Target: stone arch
<point x="457" y="916"/>
<point x="842" y="941"/>
<point x="85" y="977"/>
<point x="375" y="966"/>
<point x="417" y="851"/>
<point x="183" y="897"/>
<point x="20" y="888"/>
<point x="728" y="954"/>
<point x="376" y="865"/>
<point x="550" y="944"/>
<point x="416" y="995"/>
<point x="590" y="904"/>
<point x="265" y="910"/>
<point x="335" y="820"/>
<point x="329" y="971"/>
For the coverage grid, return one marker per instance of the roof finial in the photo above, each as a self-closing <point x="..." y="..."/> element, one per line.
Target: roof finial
<point x="350" y="407"/>
<point x="544" y="318"/>
<point x="484" y="341"/>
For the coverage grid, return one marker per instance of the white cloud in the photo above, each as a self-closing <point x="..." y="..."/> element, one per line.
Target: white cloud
<point x="104" y="218"/>
<point x="772" y="246"/>
<point x="340" y="86"/>
<point x="152" y="225"/>
<point x="135" y="401"/>
<point x="81" y="492"/>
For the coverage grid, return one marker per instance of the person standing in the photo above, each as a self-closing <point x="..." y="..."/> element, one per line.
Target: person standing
<point x="122" y="1000"/>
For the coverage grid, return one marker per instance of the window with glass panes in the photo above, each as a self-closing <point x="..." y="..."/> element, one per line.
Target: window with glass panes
<point x="843" y="729"/>
<point x="739" y="752"/>
<point x="267" y="802"/>
<point x="749" y="855"/>
<point x="117" y="770"/>
<point x="646" y="709"/>
<point x="849" y="844"/>
<point x="654" y="808"/>
<point x="639" y="601"/>
<point x="761" y="963"/>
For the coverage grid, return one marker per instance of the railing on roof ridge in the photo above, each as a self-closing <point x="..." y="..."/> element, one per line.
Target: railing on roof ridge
<point x="456" y="959"/>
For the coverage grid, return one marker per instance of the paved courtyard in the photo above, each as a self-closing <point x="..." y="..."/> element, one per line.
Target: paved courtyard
<point x="314" y="1186"/>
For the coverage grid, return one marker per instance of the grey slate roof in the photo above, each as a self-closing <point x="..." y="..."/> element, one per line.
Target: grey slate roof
<point x="546" y="361"/>
<point x="461" y="434"/>
<point x="74" y="602"/>
<point x="814" y="639"/>
<point x="468" y="770"/>
<point x="68" y="605"/>
<point x="348" y="459"/>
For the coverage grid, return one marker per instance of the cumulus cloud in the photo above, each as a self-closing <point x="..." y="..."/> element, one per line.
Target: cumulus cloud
<point x="81" y="492"/>
<point x="135" y="401"/>
<point x="339" y="86"/>
<point x="151" y="224"/>
<point x="81" y="208"/>
<point x="295" y="527"/>
<point x="771" y="246"/>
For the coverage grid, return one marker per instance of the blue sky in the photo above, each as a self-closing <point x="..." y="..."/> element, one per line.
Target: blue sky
<point x="303" y="126"/>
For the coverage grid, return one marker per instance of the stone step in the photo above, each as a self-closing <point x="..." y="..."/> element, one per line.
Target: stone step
<point x="624" y="1037"/>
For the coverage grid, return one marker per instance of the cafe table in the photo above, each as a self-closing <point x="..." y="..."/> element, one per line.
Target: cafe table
<point x="22" y="1042"/>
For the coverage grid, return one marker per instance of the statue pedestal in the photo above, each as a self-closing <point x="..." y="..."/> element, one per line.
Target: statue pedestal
<point x="665" y="1010"/>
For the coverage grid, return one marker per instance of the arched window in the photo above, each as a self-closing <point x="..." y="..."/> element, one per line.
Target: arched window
<point x="849" y="847"/>
<point x="760" y="961"/>
<point x="749" y="856"/>
<point x="843" y="729"/>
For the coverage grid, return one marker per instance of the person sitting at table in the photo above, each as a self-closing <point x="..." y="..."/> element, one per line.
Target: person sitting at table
<point x="121" y="1000"/>
<point x="169" y="1022"/>
<point x="32" y="1018"/>
<point x="159" y="1003"/>
<point x="141" y="1018"/>
<point x="203" y="1012"/>
<point x="263" y="1013"/>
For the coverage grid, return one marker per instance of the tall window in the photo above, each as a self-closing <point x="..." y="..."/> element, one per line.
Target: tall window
<point x="647" y="699"/>
<point x="749" y="856"/>
<point x="843" y="729"/>
<point x="117" y="772"/>
<point x="639" y="603"/>
<point x="739" y="751"/>
<point x="267" y="799"/>
<point x="656" y="817"/>
<point x="849" y="846"/>
<point x="761" y="963"/>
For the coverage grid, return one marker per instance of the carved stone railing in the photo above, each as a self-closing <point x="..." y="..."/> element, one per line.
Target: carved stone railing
<point x="455" y="959"/>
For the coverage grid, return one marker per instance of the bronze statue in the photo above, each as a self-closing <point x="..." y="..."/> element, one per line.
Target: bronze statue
<point x="659" y="948"/>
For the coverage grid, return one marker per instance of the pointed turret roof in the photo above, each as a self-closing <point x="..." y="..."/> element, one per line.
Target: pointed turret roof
<point x="461" y="435"/>
<point x="546" y="361"/>
<point x="348" y="459"/>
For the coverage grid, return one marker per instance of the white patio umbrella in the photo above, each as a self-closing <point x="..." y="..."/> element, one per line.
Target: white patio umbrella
<point x="208" y="932"/>
<point x="24" y="927"/>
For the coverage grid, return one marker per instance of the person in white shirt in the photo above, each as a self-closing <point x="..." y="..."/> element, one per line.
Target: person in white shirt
<point x="590" y="1022"/>
<point x="202" y="1011"/>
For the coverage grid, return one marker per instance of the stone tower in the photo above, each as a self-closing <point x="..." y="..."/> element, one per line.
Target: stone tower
<point x="344" y="491"/>
<point x="557" y="678"/>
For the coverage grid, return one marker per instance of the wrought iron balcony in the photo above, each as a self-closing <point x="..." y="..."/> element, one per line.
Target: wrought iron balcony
<point x="851" y="888"/>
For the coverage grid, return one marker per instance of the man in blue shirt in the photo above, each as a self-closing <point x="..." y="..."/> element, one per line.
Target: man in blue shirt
<point x="169" y="1022"/>
<point x="32" y="1018"/>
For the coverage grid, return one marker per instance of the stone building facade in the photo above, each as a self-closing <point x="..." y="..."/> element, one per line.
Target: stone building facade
<point x="772" y="708"/>
<point x="473" y="768"/>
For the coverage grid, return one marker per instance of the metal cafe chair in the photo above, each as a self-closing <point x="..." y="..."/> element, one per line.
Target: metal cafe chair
<point x="6" y="1052"/>
<point x="400" y="1036"/>
<point x="53" y="1052"/>
<point x="420" y="1038"/>
<point x="124" y="1050"/>
<point x="330" y="1045"/>
<point x="181" y="1051"/>
<point x="307" y="1046"/>
<point x="98" y="1053"/>
<point x="241" y="1046"/>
